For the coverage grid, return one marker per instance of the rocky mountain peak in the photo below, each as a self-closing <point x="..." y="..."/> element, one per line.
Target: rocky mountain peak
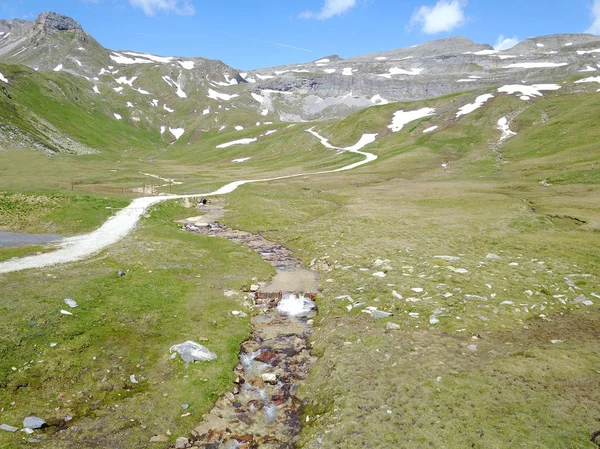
<point x="51" y="22"/>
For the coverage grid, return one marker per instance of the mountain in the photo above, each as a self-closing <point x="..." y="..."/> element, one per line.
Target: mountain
<point x="165" y="97"/>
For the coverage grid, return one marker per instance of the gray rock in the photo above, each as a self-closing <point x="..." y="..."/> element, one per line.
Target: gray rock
<point x="159" y="439"/>
<point x="33" y="422"/>
<point x="581" y="299"/>
<point x="185" y="406"/>
<point x="121" y="273"/>
<point x="380" y="314"/>
<point x="72" y="304"/>
<point x="52" y="22"/>
<point x="34" y="440"/>
<point x="181" y="443"/>
<point x="8" y="428"/>
<point x="392" y="326"/>
<point x="191" y="351"/>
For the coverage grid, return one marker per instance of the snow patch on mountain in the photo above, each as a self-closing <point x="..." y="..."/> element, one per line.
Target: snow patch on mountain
<point x="587" y="52"/>
<point x="528" y="91"/>
<point x="535" y="65"/>
<point x="188" y="65"/>
<point x="504" y="128"/>
<point x="431" y="129"/>
<point x="258" y="98"/>
<point x="468" y="108"/>
<point x="152" y="58"/>
<point x="177" y="132"/>
<point x="117" y="116"/>
<point x="127" y="82"/>
<point x="241" y="159"/>
<point x="398" y="71"/>
<point x="592" y="79"/>
<point x="58" y="68"/>
<point x="214" y="95"/>
<point x="237" y="142"/>
<point x="3" y="79"/>
<point x="401" y="118"/>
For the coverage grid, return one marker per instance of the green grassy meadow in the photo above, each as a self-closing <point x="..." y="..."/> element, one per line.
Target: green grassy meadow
<point x="481" y="267"/>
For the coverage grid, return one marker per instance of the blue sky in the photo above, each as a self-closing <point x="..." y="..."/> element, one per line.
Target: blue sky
<point x="249" y="34"/>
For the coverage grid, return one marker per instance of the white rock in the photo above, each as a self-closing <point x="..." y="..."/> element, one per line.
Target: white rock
<point x="191" y="351"/>
<point x="269" y="377"/>
<point x="72" y="304"/>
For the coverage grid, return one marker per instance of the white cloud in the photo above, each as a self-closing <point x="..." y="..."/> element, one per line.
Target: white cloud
<point x="151" y="7"/>
<point x="595" y="27"/>
<point x="446" y="15"/>
<point x="504" y="43"/>
<point x="330" y="8"/>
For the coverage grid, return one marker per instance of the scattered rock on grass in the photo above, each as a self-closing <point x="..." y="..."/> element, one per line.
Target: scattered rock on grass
<point x="121" y="273"/>
<point x="193" y="352"/>
<point x="159" y="439"/>
<point x="33" y="422"/>
<point x="8" y="428"/>
<point x="72" y="304"/>
<point x="581" y="299"/>
<point x="392" y="326"/>
<point x="181" y="443"/>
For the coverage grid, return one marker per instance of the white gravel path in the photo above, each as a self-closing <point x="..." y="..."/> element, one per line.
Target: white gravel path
<point x="122" y="223"/>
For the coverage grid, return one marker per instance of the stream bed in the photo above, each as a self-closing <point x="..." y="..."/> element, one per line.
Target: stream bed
<point x="262" y="409"/>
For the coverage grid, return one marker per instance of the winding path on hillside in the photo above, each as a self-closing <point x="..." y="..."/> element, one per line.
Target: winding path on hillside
<point x="122" y="223"/>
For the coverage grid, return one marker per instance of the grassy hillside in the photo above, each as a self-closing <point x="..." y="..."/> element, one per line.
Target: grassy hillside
<point x="484" y="247"/>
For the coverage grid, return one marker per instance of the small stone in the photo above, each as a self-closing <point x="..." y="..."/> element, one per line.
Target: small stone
<point x="379" y="274"/>
<point x="377" y="314"/>
<point x="581" y="299"/>
<point x="121" y="273"/>
<point x="433" y="320"/>
<point x="132" y="379"/>
<point x="159" y="439"/>
<point x="72" y="304"/>
<point x="269" y="378"/>
<point x="27" y="430"/>
<point x="417" y="289"/>
<point x="8" y="428"/>
<point x="192" y="352"/>
<point x="34" y="440"/>
<point x="181" y="443"/>
<point x="66" y="312"/>
<point x="556" y="342"/>
<point x="392" y="326"/>
<point x="185" y="406"/>
<point x="472" y="347"/>
<point x="254" y="287"/>
<point x="33" y="422"/>
<point x="53" y="345"/>
<point x="68" y="418"/>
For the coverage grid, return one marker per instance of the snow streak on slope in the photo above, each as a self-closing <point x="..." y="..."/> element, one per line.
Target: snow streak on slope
<point x="237" y="142"/>
<point x="468" y="108"/>
<point x="401" y="118"/>
<point x="503" y="127"/>
<point x="528" y="91"/>
<point x="213" y="94"/>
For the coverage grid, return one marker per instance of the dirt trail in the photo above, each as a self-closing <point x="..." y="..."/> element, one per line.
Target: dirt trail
<point x="119" y="225"/>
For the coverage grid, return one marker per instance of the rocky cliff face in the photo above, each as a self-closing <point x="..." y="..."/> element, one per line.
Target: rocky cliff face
<point x="51" y="22"/>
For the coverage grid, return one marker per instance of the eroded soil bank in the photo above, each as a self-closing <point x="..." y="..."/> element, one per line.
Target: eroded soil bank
<point x="262" y="409"/>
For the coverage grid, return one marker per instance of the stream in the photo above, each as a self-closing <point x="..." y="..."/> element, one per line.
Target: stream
<point x="262" y="409"/>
